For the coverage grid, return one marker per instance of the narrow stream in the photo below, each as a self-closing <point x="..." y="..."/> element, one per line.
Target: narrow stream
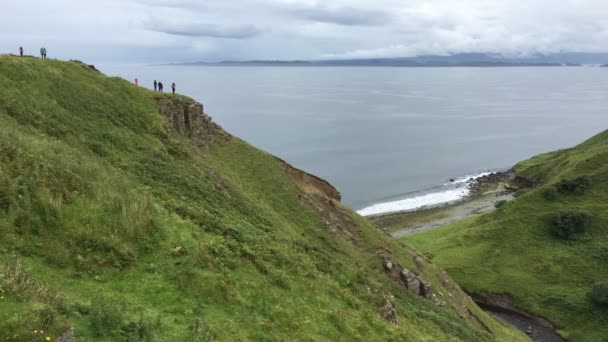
<point x="537" y="331"/>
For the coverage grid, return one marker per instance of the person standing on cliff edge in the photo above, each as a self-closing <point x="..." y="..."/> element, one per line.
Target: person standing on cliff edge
<point x="21" y="51"/>
<point x="160" y="86"/>
<point x="43" y="52"/>
<point x="137" y="82"/>
<point x="155" y="85"/>
<point x="173" y="87"/>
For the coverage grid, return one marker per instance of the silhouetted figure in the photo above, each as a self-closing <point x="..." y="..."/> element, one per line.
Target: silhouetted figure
<point x="160" y="86"/>
<point x="43" y="52"/>
<point x="155" y="85"/>
<point x="173" y="87"/>
<point x="137" y="82"/>
<point x="21" y="51"/>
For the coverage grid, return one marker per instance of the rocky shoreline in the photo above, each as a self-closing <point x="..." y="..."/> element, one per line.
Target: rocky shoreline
<point x="490" y="182"/>
<point x="510" y="179"/>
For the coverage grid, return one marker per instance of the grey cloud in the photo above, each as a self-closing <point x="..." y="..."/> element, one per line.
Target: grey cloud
<point x="346" y="16"/>
<point x="196" y="29"/>
<point x="181" y="4"/>
<point x="172" y="30"/>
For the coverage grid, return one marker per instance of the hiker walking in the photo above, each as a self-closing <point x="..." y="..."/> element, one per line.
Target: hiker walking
<point x="137" y="82"/>
<point x="160" y="86"/>
<point x="155" y="85"/>
<point x="43" y="52"/>
<point x="21" y="51"/>
<point x="173" y="87"/>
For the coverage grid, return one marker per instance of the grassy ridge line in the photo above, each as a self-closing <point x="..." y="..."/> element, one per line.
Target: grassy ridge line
<point x="512" y="251"/>
<point x="113" y="225"/>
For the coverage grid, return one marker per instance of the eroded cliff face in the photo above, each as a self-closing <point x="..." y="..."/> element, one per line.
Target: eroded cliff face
<point x="320" y="196"/>
<point x="189" y="119"/>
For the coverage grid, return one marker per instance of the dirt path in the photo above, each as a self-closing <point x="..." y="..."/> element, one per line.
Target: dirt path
<point x="456" y="213"/>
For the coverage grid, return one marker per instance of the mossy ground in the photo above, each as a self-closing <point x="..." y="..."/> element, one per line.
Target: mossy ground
<point x="110" y="223"/>
<point x="512" y="250"/>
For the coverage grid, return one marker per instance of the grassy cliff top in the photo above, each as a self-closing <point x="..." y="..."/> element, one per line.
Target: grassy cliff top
<point x="513" y="250"/>
<point x="128" y="215"/>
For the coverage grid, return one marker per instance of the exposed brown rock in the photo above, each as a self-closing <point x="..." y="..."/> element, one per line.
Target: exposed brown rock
<point x="189" y="119"/>
<point x="425" y="289"/>
<point x="418" y="261"/>
<point x="490" y="182"/>
<point x="410" y="281"/>
<point x="413" y="282"/>
<point x="311" y="183"/>
<point x="320" y="196"/>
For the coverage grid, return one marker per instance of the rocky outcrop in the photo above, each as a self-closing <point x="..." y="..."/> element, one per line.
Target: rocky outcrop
<point x="510" y="179"/>
<point x="388" y="311"/>
<point x="490" y="182"/>
<point x="412" y="281"/>
<point x="188" y="119"/>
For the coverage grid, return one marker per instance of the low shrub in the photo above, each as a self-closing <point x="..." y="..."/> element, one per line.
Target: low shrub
<point x="550" y="193"/>
<point x="520" y="192"/>
<point x="577" y="186"/>
<point x="565" y="223"/>
<point x="106" y="316"/>
<point x="599" y="293"/>
<point x="500" y="203"/>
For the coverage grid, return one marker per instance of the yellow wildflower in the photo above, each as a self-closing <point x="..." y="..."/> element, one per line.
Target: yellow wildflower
<point x="48" y="338"/>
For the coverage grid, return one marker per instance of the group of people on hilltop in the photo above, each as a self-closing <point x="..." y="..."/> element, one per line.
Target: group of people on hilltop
<point x="158" y="86"/>
<point x="42" y="52"/>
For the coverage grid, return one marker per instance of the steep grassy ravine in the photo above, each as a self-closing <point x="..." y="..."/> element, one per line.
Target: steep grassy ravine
<point x="129" y="215"/>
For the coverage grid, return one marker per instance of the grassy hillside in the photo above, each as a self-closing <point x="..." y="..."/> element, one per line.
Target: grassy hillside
<point x="514" y="251"/>
<point x="123" y="225"/>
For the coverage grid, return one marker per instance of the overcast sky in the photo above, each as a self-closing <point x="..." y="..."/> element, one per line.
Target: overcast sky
<point x="210" y="30"/>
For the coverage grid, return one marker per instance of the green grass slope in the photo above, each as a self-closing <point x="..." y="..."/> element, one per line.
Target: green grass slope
<point x="115" y="225"/>
<point x="512" y="250"/>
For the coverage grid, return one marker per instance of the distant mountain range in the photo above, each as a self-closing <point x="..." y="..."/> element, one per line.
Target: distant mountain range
<point x="455" y="60"/>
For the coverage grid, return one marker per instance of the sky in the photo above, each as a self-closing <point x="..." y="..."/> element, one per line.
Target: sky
<point x="213" y="30"/>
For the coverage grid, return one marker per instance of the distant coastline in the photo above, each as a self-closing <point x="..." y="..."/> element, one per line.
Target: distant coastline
<point x="456" y="60"/>
<point x="370" y="63"/>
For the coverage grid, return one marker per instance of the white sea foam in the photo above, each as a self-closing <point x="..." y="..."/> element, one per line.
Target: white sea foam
<point x="454" y="191"/>
<point x="415" y="202"/>
<point x="461" y="180"/>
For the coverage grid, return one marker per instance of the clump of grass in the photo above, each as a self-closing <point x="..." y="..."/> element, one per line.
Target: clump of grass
<point x="520" y="192"/>
<point x="566" y="223"/>
<point x="17" y="282"/>
<point x="500" y="203"/>
<point x="578" y="185"/>
<point x="550" y="193"/>
<point x="599" y="294"/>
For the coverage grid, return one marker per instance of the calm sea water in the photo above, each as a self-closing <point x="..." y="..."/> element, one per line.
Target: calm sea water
<point x="391" y="138"/>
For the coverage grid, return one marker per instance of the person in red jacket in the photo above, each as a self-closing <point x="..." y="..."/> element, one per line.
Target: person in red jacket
<point x="21" y="51"/>
<point x="137" y="82"/>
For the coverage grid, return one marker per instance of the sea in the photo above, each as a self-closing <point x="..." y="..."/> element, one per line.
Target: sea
<point x="395" y="139"/>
